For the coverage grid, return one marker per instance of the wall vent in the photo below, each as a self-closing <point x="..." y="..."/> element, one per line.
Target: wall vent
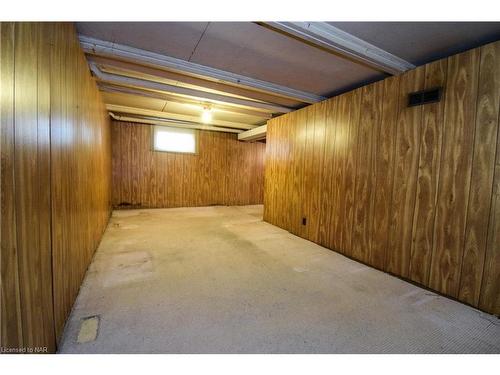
<point x="424" y="97"/>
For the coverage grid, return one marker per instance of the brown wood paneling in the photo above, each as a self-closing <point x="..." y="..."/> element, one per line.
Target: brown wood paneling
<point x="80" y="169"/>
<point x="340" y="147"/>
<point x="282" y="163"/>
<point x="384" y="161"/>
<point x="489" y="299"/>
<point x="347" y="208"/>
<point x="269" y="181"/>
<point x="317" y="144"/>
<point x="483" y="168"/>
<point x="223" y="172"/>
<point x="44" y="37"/>
<point x="371" y="104"/>
<point x="309" y="121"/>
<point x="55" y="179"/>
<point x="410" y="190"/>
<point x="428" y="173"/>
<point x="297" y="164"/>
<point x="455" y="170"/>
<point x="117" y="168"/>
<point x="11" y="324"/>
<point x="271" y="205"/>
<point x="327" y="191"/>
<point x="374" y="119"/>
<point x="405" y="175"/>
<point x="31" y="158"/>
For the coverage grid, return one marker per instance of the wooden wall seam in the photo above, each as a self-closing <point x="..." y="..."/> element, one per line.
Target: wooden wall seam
<point x="405" y="174"/>
<point x="455" y="171"/>
<point x="483" y="162"/>
<point x="12" y="330"/>
<point x="474" y="147"/>
<point x="428" y="176"/>
<point x="352" y="126"/>
<point x="489" y="298"/>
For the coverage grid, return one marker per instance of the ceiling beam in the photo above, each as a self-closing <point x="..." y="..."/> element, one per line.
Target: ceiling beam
<point x="208" y="96"/>
<point x="106" y="87"/>
<point x="106" y="68"/>
<point x="253" y="134"/>
<point x="102" y="47"/>
<point x="326" y="36"/>
<point x="169" y="77"/>
<point x="172" y="124"/>
<point x="174" y="116"/>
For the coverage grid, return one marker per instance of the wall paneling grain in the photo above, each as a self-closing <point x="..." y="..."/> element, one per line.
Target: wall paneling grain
<point x="224" y="171"/>
<point x="54" y="179"/>
<point x="414" y="191"/>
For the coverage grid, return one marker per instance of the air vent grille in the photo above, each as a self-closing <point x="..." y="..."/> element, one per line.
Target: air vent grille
<point x="424" y="97"/>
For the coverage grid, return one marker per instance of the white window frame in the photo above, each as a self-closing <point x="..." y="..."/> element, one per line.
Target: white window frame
<point x="158" y="128"/>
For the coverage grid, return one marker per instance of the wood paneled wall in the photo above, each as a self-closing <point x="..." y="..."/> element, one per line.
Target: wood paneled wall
<point x="414" y="191"/>
<point x="55" y="179"/>
<point x="223" y="172"/>
<point x="80" y="169"/>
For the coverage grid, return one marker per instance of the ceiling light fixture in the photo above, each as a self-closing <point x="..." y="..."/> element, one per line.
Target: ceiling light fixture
<point x="206" y="115"/>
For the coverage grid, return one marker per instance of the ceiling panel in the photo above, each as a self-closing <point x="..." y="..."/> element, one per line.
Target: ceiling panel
<point x="133" y="101"/>
<point x="255" y="51"/>
<point x="422" y="42"/>
<point x="176" y="39"/>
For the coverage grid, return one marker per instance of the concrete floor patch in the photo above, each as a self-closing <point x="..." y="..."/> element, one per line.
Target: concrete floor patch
<point x="88" y="329"/>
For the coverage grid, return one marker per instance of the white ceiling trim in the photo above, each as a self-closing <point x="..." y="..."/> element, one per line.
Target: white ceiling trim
<point x="101" y="47"/>
<point x="329" y="37"/>
<point x="131" y="69"/>
<point x="110" y="88"/>
<point x="174" y="116"/>
<point x="212" y="97"/>
<point x="173" y="124"/>
<point x="253" y="134"/>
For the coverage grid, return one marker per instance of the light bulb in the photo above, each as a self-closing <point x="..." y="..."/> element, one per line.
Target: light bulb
<point x="206" y="115"/>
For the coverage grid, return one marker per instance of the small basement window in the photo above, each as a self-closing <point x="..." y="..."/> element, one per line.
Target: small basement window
<point x="169" y="139"/>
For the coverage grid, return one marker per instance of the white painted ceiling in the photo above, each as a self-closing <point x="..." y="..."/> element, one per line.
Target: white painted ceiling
<point x="422" y="42"/>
